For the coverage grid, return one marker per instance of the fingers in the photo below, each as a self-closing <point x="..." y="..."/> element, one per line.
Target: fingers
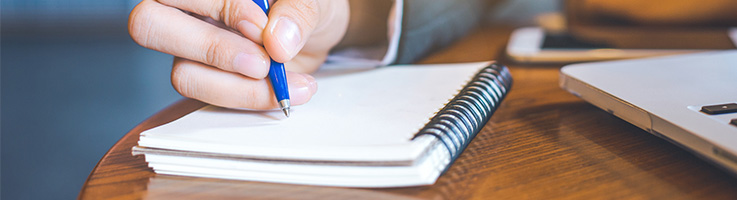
<point x="290" y="25"/>
<point x="172" y="31"/>
<point x="217" y="87"/>
<point x="242" y="15"/>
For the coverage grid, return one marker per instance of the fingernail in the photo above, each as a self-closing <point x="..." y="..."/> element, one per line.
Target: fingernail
<point x="301" y="87"/>
<point x="250" y="30"/>
<point x="313" y="83"/>
<point x="252" y="65"/>
<point x="287" y="34"/>
<point x="260" y="20"/>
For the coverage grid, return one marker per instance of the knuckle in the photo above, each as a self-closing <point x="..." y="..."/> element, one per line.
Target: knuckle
<point x="251" y="94"/>
<point x="213" y="51"/>
<point x="307" y="10"/>
<point x="219" y="11"/>
<point x="230" y="11"/>
<point x="226" y="11"/>
<point x="257" y="97"/>
<point x="309" y="6"/>
<point x="256" y="102"/>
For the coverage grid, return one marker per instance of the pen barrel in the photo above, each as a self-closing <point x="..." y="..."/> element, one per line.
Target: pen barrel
<point x="277" y="74"/>
<point x="263" y="4"/>
<point x="278" y="78"/>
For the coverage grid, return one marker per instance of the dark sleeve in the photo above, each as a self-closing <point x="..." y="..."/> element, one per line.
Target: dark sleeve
<point x="430" y="25"/>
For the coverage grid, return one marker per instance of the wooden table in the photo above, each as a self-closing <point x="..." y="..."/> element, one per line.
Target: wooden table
<point x="542" y="143"/>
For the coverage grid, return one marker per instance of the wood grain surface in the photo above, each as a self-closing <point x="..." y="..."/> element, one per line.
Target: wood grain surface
<point x="542" y="143"/>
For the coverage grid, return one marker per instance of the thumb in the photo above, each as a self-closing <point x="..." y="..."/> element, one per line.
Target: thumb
<point x="290" y="24"/>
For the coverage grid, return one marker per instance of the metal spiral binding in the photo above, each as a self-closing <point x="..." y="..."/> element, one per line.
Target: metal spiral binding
<point x="465" y="115"/>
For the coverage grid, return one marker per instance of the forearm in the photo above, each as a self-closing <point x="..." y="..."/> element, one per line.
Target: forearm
<point x="426" y="25"/>
<point x="368" y="23"/>
<point x="429" y="25"/>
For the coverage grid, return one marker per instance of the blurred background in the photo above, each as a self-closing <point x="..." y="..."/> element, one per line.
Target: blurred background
<point x="73" y="83"/>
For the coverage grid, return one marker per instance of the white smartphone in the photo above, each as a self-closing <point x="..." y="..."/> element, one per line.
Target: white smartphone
<point x="533" y="45"/>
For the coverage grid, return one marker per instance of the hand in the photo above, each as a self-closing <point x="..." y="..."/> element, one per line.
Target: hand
<point x="225" y="62"/>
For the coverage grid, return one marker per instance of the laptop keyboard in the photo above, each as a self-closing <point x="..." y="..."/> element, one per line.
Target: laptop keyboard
<point x="720" y="109"/>
<point x="724" y="113"/>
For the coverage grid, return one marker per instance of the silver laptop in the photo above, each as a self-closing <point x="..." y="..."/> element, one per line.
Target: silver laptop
<point x="690" y="100"/>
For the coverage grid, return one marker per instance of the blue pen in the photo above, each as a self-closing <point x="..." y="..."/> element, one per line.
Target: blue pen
<point x="277" y="74"/>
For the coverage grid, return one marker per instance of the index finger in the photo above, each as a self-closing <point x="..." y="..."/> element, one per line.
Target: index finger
<point x="242" y="15"/>
<point x="171" y="31"/>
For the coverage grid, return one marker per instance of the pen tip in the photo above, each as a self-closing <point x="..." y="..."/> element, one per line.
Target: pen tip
<point x="284" y="104"/>
<point x="286" y="111"/>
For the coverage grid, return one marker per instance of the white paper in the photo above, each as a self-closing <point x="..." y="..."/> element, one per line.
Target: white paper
<point x="356" y="115"/>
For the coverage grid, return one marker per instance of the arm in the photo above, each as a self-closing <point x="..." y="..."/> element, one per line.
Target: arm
<point x="426" y="25"/>
<point x="368" y="23"/>
<point x="429" y="25"/>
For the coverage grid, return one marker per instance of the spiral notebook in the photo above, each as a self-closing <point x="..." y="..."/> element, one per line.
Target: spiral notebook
<point x="383" y="127"/>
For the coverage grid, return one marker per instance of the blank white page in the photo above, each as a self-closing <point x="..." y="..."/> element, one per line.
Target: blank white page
<point x="356" y="115"/>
